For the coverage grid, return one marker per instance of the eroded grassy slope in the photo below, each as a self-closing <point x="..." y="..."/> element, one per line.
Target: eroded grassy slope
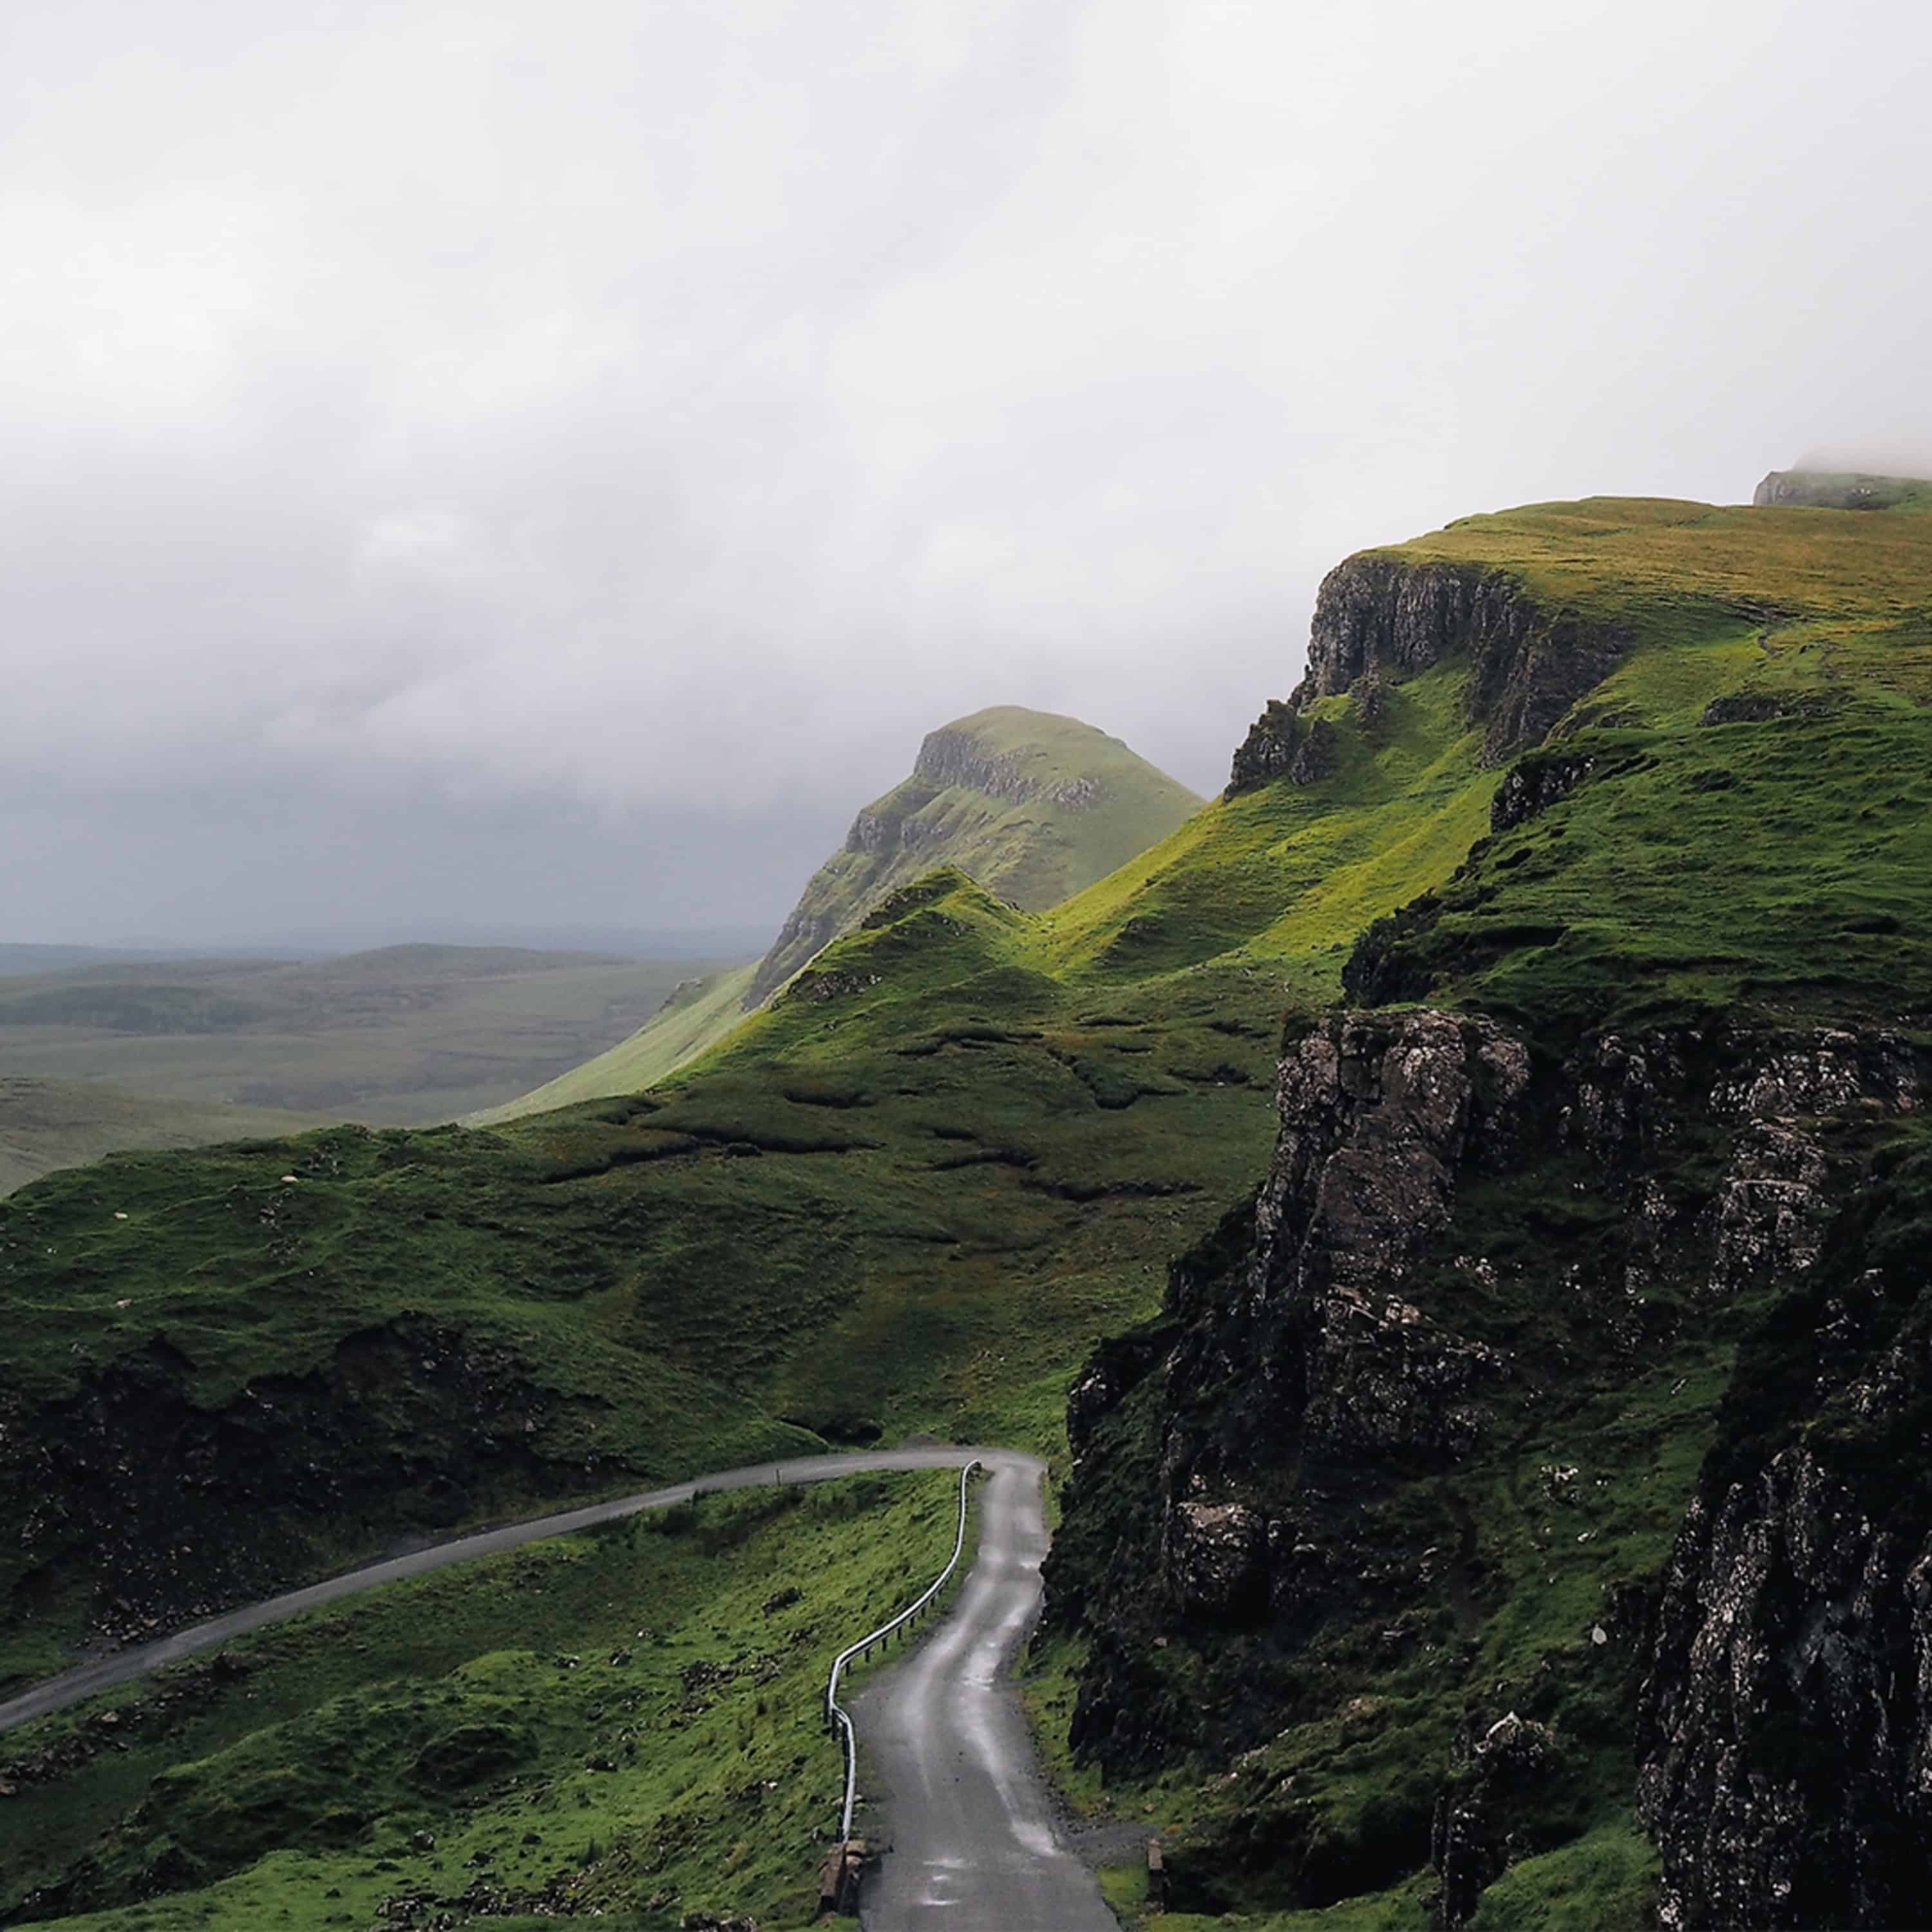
<point x="687" y="1023"/>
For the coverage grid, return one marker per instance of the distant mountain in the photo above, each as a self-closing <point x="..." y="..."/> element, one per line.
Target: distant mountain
<point x="16" y="960"/>
<point x="1033" y="806"/>
<point x="620" y="942"/>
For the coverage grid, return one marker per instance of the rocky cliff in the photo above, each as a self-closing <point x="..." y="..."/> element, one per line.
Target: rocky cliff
<point x="1381" y="618"/>
<point x="1785" y="1769"/>
<point x="1399" y="1465"/>
<point x="1032" y="807"/>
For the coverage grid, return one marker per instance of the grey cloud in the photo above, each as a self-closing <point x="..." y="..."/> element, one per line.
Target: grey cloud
<point x="618" y="433"/>
<point x="1897" y="457"/>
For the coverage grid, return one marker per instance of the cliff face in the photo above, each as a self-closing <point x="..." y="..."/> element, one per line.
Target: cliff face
<point x="1031" y="806"/>
<point x="1785" y="1728"/>
<point x="1381" y="619"/>
<point x="954" y="755"/>
<point x="1389" y="1418"/>
<point x="1283" y="744"/>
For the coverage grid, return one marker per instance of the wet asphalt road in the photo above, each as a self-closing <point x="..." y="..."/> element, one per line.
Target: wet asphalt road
<point x="946" y="1760"/>
<point x="121" y="1666"/>
<point x="946" y="1755"/>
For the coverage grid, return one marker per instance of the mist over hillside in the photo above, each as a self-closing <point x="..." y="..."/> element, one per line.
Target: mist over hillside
<point x="1901" y="456"/>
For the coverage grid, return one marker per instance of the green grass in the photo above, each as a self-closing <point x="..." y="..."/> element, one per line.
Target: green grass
<point x="49" y="1124"/>
<point x="1281" y="876"/>
<point x="1669" y="567"/>
<point x="693" y="1019"/>
<point x="630" y="1719"/>
<point x="1606" y="1881"/>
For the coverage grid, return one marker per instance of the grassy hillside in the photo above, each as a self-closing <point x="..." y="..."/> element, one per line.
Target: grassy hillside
<point x="1031" y="805"/>
<point x="46" y="1124"/>
<point x="1751" y="837"/>
<point x="697" y="1014"/>
<point x="409" y="1033"/>
<point x="612" y="1724"/>
<point x="967" y="1139"/>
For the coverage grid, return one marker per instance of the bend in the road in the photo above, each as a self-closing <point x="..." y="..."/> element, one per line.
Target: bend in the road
<point x="73" y="1687"/>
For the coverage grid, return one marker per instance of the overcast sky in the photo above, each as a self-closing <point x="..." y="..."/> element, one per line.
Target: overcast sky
<point x="494" y="462"/>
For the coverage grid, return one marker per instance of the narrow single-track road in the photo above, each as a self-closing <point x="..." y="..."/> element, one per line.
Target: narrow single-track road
<point x="947" y="1762"/>
<point x="56" y="1693"/>
<point x="946" y="1755"/>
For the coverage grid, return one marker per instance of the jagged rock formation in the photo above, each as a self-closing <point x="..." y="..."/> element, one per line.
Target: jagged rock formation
<point x="1529" y="789"/>
<point x="1787" y="1774"/>
<point x="1785" y="1768"/>
<point x="1377" y="1116"/>
<point x="1497" y="1777"/>
<point x="1031" y="806"/>
<point x="1283" y="744"/>
<point x="1264" y="1475"/>
<point x="1380" y="618"/>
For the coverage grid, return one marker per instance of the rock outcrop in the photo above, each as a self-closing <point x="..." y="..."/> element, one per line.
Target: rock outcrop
<point x="1380" y="618"/>
<point x="954" y="756"/>
<point x="1498" y="1775"/>
<point x="1387" y="617"/>
<point x="1378" y="1115"/>
<point x="1280" y="744"/>
<point x="1787" y="1725"/>
<point x="1266" y="1477"/>
<point x="1303" y="1340"/>
<point x="1529" y="789"/>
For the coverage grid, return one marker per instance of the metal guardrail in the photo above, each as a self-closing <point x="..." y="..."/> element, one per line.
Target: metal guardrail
<point x="837" y="1717"/>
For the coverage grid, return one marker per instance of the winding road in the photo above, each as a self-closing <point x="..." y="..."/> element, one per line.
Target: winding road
<point x="945" y="1752"/>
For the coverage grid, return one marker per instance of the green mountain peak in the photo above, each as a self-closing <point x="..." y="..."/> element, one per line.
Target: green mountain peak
<point x="1029" y="806"/>
<point x="1032" y="805"/>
